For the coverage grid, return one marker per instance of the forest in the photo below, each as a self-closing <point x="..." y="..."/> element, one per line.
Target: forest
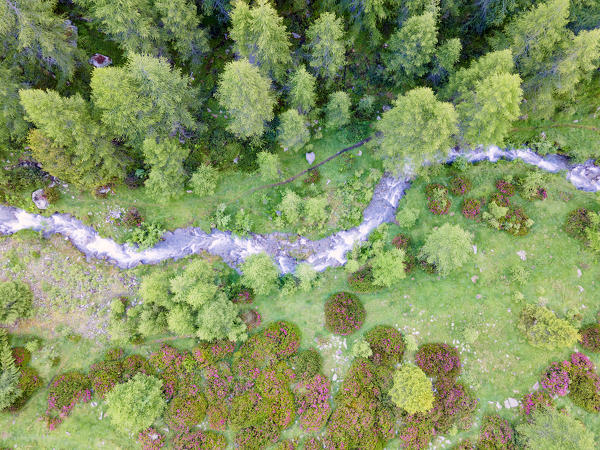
<point x="295" y="224"/>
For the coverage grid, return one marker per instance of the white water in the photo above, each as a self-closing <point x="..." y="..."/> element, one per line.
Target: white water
<point x="327" y="252"/>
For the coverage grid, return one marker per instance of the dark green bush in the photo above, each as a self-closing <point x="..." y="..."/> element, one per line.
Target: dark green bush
<point x="362" y="280"/>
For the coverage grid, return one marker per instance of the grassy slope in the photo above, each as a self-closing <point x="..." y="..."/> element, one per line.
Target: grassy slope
<point x="500" y="364"/>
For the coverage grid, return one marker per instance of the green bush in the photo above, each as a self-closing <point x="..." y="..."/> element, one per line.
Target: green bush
<point x="412" y="390"/>
<point x="307" y="363"/>
<point x="147" y="235"/>
<point x="135" y="405"/>
<point x="15" y="301"/>
<point x="204" y="180"/>
<point x="543" y="329"/>
<point x="362" y="280"/>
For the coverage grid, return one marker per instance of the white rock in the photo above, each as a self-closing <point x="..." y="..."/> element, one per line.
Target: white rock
<point x="334" y="377"/>
<point x="99" y="61"/>
<point x="513" y="402"/>
<point x="522" y="254"/>
<point x="536" y="386"/>
<point x="579" y="273"/>
<point x="310" y="157"/>
<point x="39" y="199"/>
<point x="475" y="249"/>
<point x="498" y="405"/>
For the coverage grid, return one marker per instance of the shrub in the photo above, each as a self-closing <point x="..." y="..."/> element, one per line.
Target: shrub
<point x="516" y="222"/>
<point x="471" y="208"/>
<point x="388" y="267"/>
<point x="556" y="379"/>
<point x="52" y="194"/>
<point x="210" y="352"/>
<point x="313" y="403"/>
<point x="416" y="432"/>
<point x="306" y="275"/>
<point x="362" y="280"/>
<point x="29" y="382"/>
<point x="282" y="338"/>
<point x="460" y="185"/>
<point x="150" y="439"/>
<point x="401" y="241"/>
<point x="437" y="199"/>
<point x="186" y="412"/>
<point x="590" y="337"/>
<point x="344" y="313"/>
<point x="407" y="217"/>
<point x="531" y="186"/>
<point x="577" y="223"/>
<point x="199" y="439"/>
<point x="15" y="301"/>
<point x="146" y="235"/>
<point x="505" y="188"/>
<point x="132" y="218"/>
<point x="65" y="391"/>
<point x="136" y="404"/>
<point x="553" y="429"/>
<point x="500" y="200"/>
<point x="448" y="247"/>
<point x="496" y="434"/>
<point x="386" y="343"/>
<point x="544" y="330"/>
<point x="104" y="376"/>
<point x="361" y="349"/>
<point x="534" y="401"/>
<point x="440" y="361"/>
<point x="260" y="273"/>
<point x="204" y="180"/>
<point x="412" y="390"/>
<point x="453" y="404"/>
<point x="307" y="363"/>
<point x="584" y="385"/>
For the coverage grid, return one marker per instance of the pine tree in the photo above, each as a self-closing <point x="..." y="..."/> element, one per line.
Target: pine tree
<point x="68" y="143"/>
<point x="326" y="45"/>
<point x="302" y="91"/>
<point x="261" y="37"/>
<point x="9" y="373"/>
<point x="246" y="95"/>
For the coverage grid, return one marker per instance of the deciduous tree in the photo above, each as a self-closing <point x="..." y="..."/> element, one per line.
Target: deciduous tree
<point x="412" y="390"/>
<point x="260" y="273"/>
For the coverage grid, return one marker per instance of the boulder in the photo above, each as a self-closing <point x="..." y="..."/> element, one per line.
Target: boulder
<point x="98" y="60"/>
<point x="310" y="157"/>
<point x="39" y="199"/>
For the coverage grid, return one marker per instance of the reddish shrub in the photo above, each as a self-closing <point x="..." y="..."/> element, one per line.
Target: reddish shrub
<point x="440" y="361"/>
<point x="454" y="404"/>
<point x="556" y="378"/>
<point x="534" y="401"/>
<point x="199" y="439"/>
<point x="590" y="337"/>
<point x="344" y="313"/>
<point x="471" y="208"/>
<point x="186" y="412"/>
<point x="387" y="344"/>
<point x="150" y="439"/>
<point x="437" y="199"/>
<point x="65" y="391"/>
<point x="496" y="433"/>
<point x="577" y="222"/>
<point x="460" y="185"/>
<point x="505" y="188"/>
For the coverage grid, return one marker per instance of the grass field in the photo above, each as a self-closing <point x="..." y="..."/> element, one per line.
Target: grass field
<point x="498" y="364"/>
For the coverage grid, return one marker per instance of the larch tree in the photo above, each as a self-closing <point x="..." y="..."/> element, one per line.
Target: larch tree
<point x="445" y="58"/>
<point x="181" y="22"/>
<point x="416" y="128"/>
<point x="146" y="97"/>
<point x="13" y="127"/>
<point x="246" y="95"/>
<point x="31" y="31"/>
<point x="486" y="115"/>
<point x="302" y="94"/>
<point x="68" y="142"/>
<point x="326" y="45"/>
<point x="165" y="157"/>
<point x="130" y="23"/>
<point x="411" y="48"/>
<point x="292" y="132"/>
<point x="261" y="37"/>
<point x="337" y="111"/>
